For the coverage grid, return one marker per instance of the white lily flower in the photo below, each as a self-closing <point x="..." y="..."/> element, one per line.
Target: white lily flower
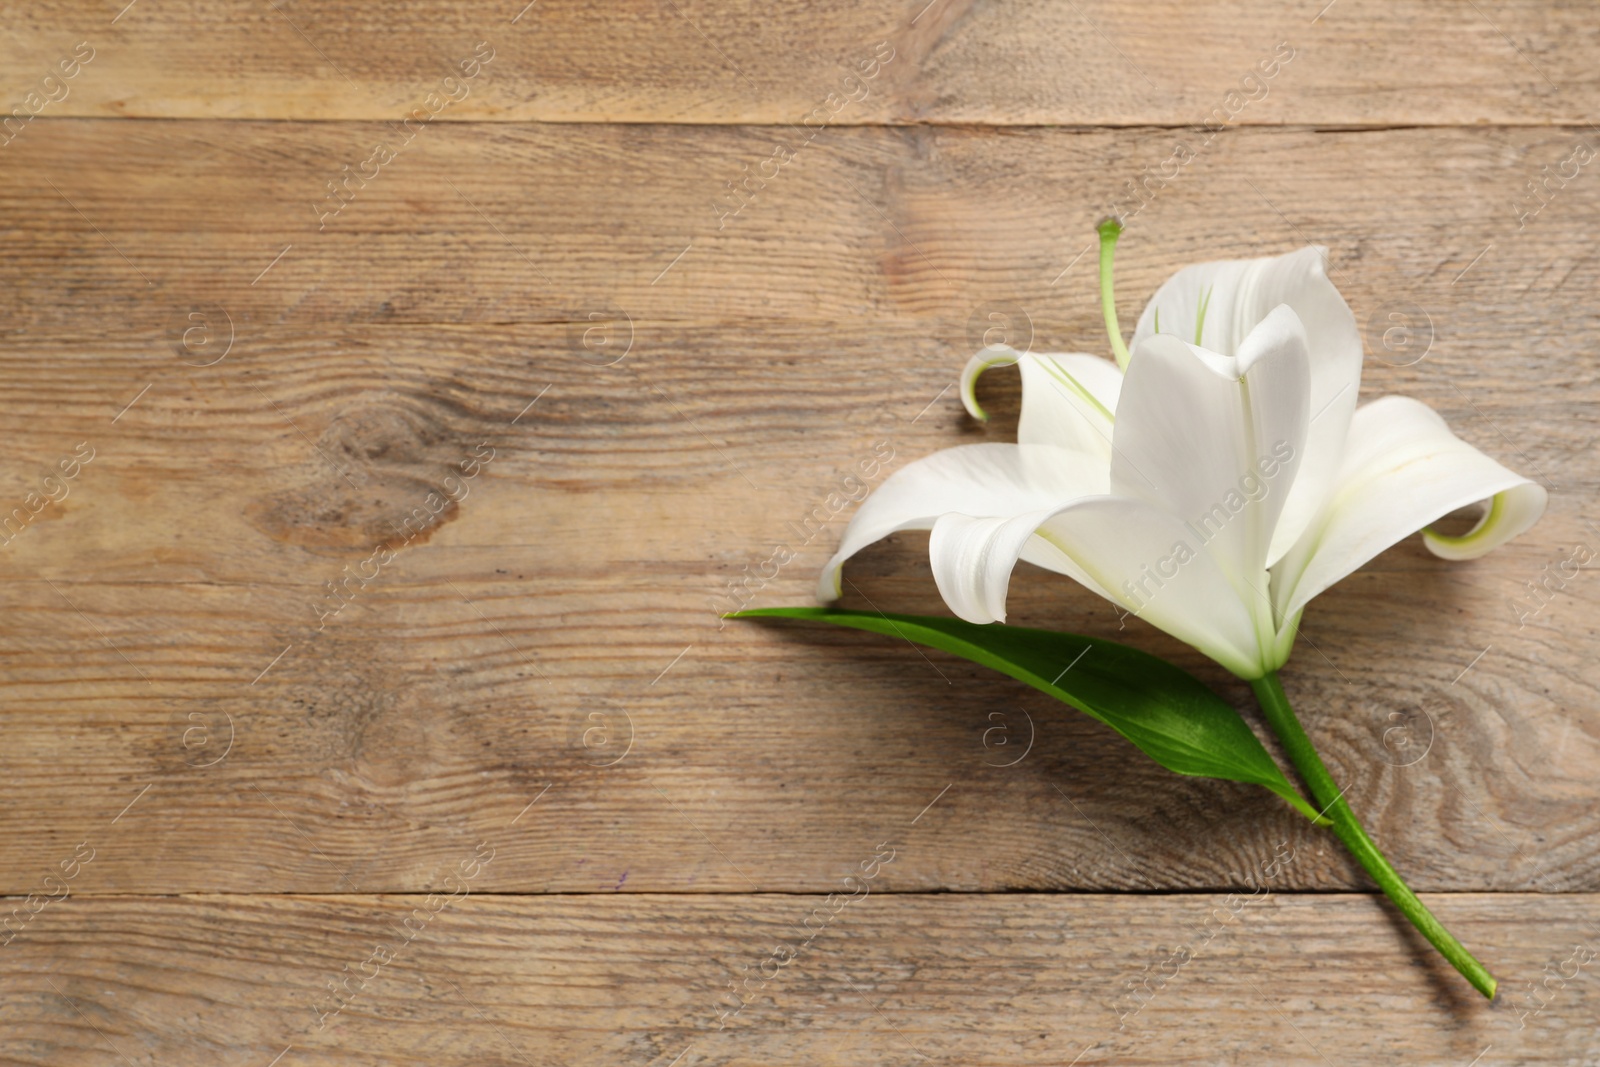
<point x="1215" y="487"/>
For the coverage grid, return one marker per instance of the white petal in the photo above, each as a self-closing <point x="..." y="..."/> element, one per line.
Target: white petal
<point x="1217" y="440"/>
<point x="1237" y="295"/>
<point x="1405" y="469"/>
<point x="988" y="356"/>
<point x="1509" y="513"/>
<point x="973" y="559"/>
<point x="1068" y="399"/>
<point x="982" y="480"/>
<point x="1135" y="554"/>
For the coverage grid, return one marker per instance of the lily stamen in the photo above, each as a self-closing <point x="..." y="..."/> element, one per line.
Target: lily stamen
<point x="1110" y="229"/>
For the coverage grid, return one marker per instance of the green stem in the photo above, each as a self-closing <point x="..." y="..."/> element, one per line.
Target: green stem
<point x="1281" y="717"/>
<point x="1110" y="230"/>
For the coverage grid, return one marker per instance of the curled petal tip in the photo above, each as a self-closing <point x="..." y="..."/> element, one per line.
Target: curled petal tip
<point x="989" y="356"/>
<point x="829" y="583"/>
<point x="1510" y="512"/>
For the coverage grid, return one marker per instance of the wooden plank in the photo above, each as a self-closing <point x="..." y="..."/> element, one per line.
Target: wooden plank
<point x="949" y="979"/>
<point x="482" y="224"/>
<point x="369" y="361"/>
<point x="951" y="61"/>
<point x="573" y="592"/>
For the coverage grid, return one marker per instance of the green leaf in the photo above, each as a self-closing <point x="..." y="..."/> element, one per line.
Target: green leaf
<point x="1168" y="713"/>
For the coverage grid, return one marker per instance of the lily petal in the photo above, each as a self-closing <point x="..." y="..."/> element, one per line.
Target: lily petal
<point x="973" y="559"/>
<point x="1069" y="399"/>
<point x="983" y="480"/>
<point x="1134" y="554"/>
<point x="1217" y="440"/>
<point x="1510" y="513"/>
<point x="1405" y="469"/>
<point x="1217" y="305"/>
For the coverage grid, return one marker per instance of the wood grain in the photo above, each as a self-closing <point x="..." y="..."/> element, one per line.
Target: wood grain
<point x="149" y="608"/>
<point x="367" y="363"/>
<point x="1002" y="979"/>
<point x="536" y="224"/>
<point x="587" y="346"/>
<point x="1026" y="63"/>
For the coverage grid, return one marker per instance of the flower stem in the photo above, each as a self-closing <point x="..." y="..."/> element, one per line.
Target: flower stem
<point x="1110" y="229"/>
<point x="1281" y="717"/>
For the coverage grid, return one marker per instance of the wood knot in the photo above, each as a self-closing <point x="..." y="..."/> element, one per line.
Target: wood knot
<point x="387" y="470"/>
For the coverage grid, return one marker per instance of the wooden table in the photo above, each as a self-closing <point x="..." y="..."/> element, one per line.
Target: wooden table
<point x="428" y="372"/>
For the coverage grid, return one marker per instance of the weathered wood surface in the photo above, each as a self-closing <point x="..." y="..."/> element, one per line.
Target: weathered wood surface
<point x="478" y="224"/>
<point x="948" y="61"/>
<point x="888" y="979"/>
<point x="552" y="272"/>
<point x="758" y="372"/>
